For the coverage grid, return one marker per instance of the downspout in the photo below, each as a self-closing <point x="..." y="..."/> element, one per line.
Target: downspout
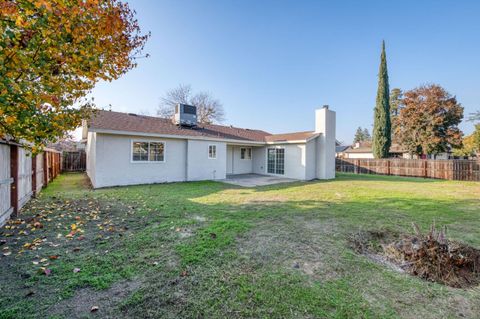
<point x="187" y="146"/>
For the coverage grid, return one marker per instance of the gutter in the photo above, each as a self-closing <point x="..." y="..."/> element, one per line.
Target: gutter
<point x="183" y="137"/>
<point x="202" y="138"/>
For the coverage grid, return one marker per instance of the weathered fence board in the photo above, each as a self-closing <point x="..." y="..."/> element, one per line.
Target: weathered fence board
<point x="75" y="161"/>
<point x="39" y="173"/>
<point x="24" y="185"/>
<point x="463" y="170"/>
<point x="5" y="181"/>
<point x="23" y="176"/>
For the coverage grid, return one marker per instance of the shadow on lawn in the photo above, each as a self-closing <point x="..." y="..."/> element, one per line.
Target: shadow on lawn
<point x="181" y="245"/>
<point x="385" y="178"/>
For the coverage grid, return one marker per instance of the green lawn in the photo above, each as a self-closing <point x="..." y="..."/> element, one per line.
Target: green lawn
<point x="207" y="249"/>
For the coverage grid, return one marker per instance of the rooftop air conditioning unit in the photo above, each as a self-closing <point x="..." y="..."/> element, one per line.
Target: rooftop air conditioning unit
<point x="185" y="115"/>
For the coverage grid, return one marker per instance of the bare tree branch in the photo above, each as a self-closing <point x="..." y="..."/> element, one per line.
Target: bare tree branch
<point x="209" y="109"/>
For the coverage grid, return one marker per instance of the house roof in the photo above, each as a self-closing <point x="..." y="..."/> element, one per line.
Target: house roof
<point x="367" y="148"/>
<point x="132" y="123"/>
<point x="297" y="136"/>
<point x="340" y="148"/>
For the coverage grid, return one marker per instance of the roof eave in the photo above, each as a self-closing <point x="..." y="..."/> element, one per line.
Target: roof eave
<point x="183" y="137"/>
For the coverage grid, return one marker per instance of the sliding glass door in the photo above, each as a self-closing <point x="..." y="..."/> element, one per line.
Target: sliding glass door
<point x="276" y="161"/>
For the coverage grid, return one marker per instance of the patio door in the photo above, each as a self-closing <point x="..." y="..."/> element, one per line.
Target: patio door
<point x="276" y="161"/>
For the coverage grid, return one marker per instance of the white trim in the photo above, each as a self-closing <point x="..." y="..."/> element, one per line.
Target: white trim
<point x="133" y="140"/>
<point x="208" y="151"/>
<point x="251" y="153"/>
<point x="183" y="137"/>
<point x="287" y="142"/>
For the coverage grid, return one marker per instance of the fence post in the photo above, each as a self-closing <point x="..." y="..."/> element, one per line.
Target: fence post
<point x="357" y="166"/>
<point x="470" y="166"/>
<point x="388" y="167"/>
<point x="34" y="176"/>
<point x="14" y="176"/>
<point x="45" y="169"/>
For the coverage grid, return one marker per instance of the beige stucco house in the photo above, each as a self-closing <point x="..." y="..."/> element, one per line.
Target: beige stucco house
<point x="364" y="151"/>
<point x="128" y="149"/>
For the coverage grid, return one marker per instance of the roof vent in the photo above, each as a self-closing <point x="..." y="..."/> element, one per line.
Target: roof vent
<point x="325" y="106"/>
<point x="185" y="115"/>
<point x="132" y="114"/>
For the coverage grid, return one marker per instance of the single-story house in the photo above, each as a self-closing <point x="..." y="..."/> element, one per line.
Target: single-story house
<point x="339" y="149"/>
<point x="128" y="149"/>
<point x="364" y="150"/>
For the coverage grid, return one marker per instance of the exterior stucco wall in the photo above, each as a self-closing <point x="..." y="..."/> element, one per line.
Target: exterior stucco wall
<point x="91" y="152"/>
<point x="311" y="159"/>
<point x="325" y="125"/>
<point x="295" y="160"/>
<point x="114" y="166"/>
<point x="259" y="161"/>
<point x="200" y="167"/>
<point x="237" y="165"/>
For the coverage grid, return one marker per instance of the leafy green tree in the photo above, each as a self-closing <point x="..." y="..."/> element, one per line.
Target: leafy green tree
<point x="396" y="96"/>
<point x="366" y="135"/>
<point x="382" y="137"/>
<point x="468" y="147"/>
<point x="52" y="53"/>
<point x="428" y="122"/>
<point x="358" y="135"/>
<point x="476" y="138"/>
<point x="361" y="135"/>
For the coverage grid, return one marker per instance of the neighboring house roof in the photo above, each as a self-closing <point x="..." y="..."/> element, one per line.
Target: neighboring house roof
<point x="298" y="136"/>
<point x="340" y="148"/>
<point x="109" y="121"/>
<point x="367" y="148"/>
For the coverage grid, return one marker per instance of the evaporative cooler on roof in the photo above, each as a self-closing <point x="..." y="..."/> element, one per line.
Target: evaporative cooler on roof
<point x="185" y="115"/>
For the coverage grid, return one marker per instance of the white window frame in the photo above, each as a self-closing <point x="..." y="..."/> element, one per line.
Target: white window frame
<point x="208" y="151"/>
<point x="248" y="151"/>
<point x="148" y="152"/>
<point x="266" y="160"/>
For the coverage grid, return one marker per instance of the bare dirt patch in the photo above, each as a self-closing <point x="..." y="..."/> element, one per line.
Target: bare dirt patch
<point x="430" y="256"/>
<point x="295" y="243"/>
<point x="101" y="303"/>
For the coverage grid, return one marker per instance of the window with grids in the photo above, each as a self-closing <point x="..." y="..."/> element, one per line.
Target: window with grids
<point x="148" y="152"/>
<point x="245" y="153"/>
<point x="276" y="161"/>
<point x="212" y="151"/>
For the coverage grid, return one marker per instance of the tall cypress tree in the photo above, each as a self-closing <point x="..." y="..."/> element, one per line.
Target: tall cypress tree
<point x="382" y="135"/>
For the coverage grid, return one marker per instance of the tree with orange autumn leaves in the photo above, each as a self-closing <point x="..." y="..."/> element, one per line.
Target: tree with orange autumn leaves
<point x="428" y="120"/>
<point x="52" y="53"/>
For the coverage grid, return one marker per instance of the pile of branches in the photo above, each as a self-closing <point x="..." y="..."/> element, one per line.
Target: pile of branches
<point x="433" y="257"/>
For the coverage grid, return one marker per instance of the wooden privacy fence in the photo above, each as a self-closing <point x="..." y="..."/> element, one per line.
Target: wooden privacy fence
<point x="23" y="176"/>
<point x="74" y="161"/>
<point x="461" y="170"/>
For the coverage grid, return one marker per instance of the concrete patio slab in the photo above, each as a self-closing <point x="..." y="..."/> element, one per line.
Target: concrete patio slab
<point x="254" y="180"/>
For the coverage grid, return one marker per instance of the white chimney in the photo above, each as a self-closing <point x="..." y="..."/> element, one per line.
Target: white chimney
<point x="325" y="124"/>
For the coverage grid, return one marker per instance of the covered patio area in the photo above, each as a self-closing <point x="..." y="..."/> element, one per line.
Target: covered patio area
<point x="254" y="180"/>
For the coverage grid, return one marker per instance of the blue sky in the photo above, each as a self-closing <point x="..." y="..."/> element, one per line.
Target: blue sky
<point x="272" y="63"/>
